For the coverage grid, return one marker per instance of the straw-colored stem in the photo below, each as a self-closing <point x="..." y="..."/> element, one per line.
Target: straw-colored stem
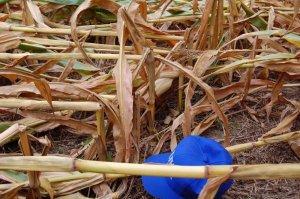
<point x="10" y="133"/>
<point x="61" y="56"/>
<point x="198" y="16"/>
<point x="263" y="142"/>
<point x="103" y="47"/>
<point x="55" y="163"/>
<point x="44" y="105"/>
<point x="65" y="31"/>
<point x="30" y="122"/>
<point x="5" y="187"/>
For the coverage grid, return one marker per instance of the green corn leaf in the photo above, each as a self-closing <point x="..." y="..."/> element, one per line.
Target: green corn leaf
<point x="257" y="21"/>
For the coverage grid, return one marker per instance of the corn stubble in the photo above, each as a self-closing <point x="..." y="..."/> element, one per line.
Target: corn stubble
<point x="228" y="51"/>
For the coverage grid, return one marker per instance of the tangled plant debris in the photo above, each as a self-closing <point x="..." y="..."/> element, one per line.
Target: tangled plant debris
<point x="103" y="71"/>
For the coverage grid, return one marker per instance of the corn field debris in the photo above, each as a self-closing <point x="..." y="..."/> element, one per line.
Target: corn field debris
<point x="101" y="70"/>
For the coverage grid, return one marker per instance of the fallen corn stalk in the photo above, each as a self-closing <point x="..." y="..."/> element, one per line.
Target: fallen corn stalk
<point x="66" y="31"/>
<point x="60" y="56"/>
<point x="9" y="133"/>
<point x="44" y="105"/>
<point x="197" y="16"/>
<point x="263" y="142"/>
<point x="96" y="46"/>
<point x="55" y="163"/>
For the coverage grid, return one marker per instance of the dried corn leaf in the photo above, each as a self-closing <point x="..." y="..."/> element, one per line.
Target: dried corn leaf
<point x="41" y="84"/>
<point x="209" y="94"/>
<point x="284" y="126"/>
<point x="36" y="14"/>
<point x="80" y="127"/>
<point x="105" y="4"/>
<point x="9" y="40"/>
<point x="123" y="77"/>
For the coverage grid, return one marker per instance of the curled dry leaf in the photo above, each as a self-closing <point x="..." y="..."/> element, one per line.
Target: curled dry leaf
<point x="27" y="18"/>
<point x="214" y="47"/>
<point x="9" y="40"/>
<point x="45" y="184"/>
<point x="161" y="8"/>
<point x="50" y="63"/>
<point x="195" y="6"/>
<point x="296" y="11"/>
<point x="209" y="94"/>
<point x="284" y="126"/>
<point x="123" y="77"/>
<point x="225" y="106"/>
<point x="275" y="93"/>
<point x="204" y="125"/>
<point x="105" y="4"/>
<point x="58" y="90"/>
<point x="66" y="188"/>
<point x="36" y="14"/>
<point x="150" y="69"/>
<point x="103" y="191"/>
<point x="221" y="93"/>
<point x="40" y="83"/>
<point x="80" y="127"/>
<point x="11" y="192"/>
<point x="202" y="31"/>
<point x="160" y="143"/>
<point x="120" y="143"/>
<point x="211" y="187"/>
<point x="67" y="70"/>
<point x="295" y="145"/>
<point x="202" y="64"/>
<point x="250" y="71"/>
<point x="138" y="39"/>
<point x="77" y="195"/>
